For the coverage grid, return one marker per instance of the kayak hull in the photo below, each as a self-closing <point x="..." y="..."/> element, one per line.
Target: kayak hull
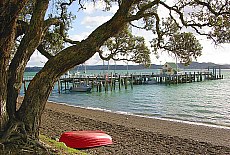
<point x="85" y="139"/>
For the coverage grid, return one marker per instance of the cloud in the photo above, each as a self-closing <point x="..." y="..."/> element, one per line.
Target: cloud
<point x="100" y="5"/>
<point x="212" y="53"/>
<point x="80" y="37"/>
<point x="37" y="60"/>
<point x="95" y="21"/>
<point x="114" y="9"/>
<point x="91" y="7"/>
<point x="95" y="60"/>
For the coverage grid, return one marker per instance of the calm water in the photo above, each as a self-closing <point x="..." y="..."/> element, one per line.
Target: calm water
<point x="200" y="102"/>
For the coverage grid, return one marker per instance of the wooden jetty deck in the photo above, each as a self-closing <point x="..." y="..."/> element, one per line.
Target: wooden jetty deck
<point x="111" y="82"/>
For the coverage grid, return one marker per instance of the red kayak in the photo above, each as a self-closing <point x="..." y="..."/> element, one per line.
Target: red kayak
<point x="85" y="139"/>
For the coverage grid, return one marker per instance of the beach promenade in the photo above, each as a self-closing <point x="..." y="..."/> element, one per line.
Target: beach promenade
<point x="134" y="135"/>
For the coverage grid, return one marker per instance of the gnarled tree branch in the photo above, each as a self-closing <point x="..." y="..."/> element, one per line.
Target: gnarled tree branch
<point x="212" y="10"/>
<point x="45" y="53"/>
<point x="51" y="21"/>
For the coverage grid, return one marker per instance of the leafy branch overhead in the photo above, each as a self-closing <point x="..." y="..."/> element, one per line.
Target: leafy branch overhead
<point x="208" y="18"/>
<point x="125" y="46"/>
<point x="183" y="46"/>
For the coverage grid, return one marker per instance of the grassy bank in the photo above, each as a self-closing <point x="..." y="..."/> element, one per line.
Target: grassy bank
<point x="58" y="147"/>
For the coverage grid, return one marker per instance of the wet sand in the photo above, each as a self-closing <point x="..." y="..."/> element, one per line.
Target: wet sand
<point x="136" y="135"/>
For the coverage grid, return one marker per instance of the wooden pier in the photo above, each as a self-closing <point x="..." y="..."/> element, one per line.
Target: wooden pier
<point x="111" y="82"/>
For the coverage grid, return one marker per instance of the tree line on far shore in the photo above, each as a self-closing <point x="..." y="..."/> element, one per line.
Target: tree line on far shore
<point x="193" y="65"/>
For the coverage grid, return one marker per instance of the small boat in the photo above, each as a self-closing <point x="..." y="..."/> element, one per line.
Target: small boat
<point x="81" y="88"/>
<point x="85" y="139"/>
<point x="150" y="81"/>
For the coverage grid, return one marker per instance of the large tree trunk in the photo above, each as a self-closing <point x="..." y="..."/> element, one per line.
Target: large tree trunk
<point x="42" y="84"/>
<point x="3" y="88"/>
<point x="8" y="17"/>
<point x="28" y="44"/>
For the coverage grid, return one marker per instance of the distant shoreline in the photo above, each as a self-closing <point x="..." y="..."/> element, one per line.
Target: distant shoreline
<point x="193" y="65"/>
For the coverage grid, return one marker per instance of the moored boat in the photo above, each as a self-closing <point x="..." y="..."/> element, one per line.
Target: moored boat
<point x="81" y="88"/>
<point x="150" y="82"/>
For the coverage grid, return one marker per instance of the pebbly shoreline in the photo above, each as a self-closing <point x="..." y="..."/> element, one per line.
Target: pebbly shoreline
<point x="134" y="135"/>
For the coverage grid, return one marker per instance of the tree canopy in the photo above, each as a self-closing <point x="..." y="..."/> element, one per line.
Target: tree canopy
<point x="209" y="18"/>
<point x="30" y="25"/>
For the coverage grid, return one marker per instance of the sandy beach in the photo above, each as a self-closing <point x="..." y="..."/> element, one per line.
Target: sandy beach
<point x="133" y="135"/>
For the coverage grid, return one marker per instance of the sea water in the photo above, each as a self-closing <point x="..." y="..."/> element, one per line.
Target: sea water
<point x="200" y="102"/>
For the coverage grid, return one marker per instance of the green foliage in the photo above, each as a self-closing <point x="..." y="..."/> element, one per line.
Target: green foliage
<point x="182" y="45"/>
<point x="185" y="46"/>
<point x="221" y="29"/>
<point x="149" y="11"/>
<point x="169" y="27"/>
<point x="125" y="46"/>
<point x="214" y="15"/>
<point x="53" y="42"/>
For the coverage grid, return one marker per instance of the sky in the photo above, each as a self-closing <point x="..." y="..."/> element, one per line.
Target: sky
<point x="90" y="18"/>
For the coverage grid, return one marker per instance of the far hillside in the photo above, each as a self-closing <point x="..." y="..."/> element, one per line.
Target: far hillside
<point x="193" y="65"/>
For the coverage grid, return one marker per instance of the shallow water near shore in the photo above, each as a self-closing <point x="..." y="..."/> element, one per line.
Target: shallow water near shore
<point x="200" y="102"/>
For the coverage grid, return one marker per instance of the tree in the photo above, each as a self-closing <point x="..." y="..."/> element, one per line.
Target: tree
<point x="184" y="45"/>
<point x="125" y="46"/>
<point x="26" y="26"/>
